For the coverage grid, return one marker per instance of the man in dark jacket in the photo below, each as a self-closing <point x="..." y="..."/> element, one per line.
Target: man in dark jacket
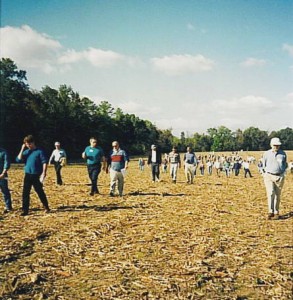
<point x="155" y="160"/>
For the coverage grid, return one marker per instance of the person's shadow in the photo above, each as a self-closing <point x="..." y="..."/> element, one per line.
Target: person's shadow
<point x="286" y="216"/>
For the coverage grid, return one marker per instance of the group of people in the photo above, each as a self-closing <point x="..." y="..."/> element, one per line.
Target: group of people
<point x="273" y="168"/>
<point x="36" y="164"/>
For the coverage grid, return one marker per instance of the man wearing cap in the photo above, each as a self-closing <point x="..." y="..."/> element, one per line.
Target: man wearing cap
<point x="175" y="163"/>
<point x="155" y="160"/>
<point x="274" y="165"/>
<point x="58" y="158"/>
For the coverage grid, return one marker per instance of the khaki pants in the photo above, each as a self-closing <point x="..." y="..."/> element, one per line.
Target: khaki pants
<point x="116" y="177"/>
<point x="274" y="185"/>
<point x="189" y="170"/>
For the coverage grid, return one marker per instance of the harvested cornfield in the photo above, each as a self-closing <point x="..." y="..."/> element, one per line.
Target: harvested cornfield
<point x="209" y="240"/>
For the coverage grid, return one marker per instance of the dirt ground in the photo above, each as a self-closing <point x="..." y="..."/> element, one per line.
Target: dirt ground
<point x="209" y="240"/>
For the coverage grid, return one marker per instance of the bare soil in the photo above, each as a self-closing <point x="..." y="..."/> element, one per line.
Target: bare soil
<point x="209" y="240"/>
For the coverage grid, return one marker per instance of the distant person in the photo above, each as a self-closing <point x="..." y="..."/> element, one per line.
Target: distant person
<point x="117" y="165"/>
<point x="210" y="166"/>
<point x="175" y="163"/>
<point x="218" y="166"/>
<point x="141" y="163"/>
<point x="4" y="167"/>
<point x="165" y="163"/>
<point x="35" y="169"/>
<point x="95" y="157"/>
<point x="260" y="166"/>
<point x="226" y="166"/>
<point x="246" y="167"/>
<point x="155" y="161"/>
<point x="189" y="165"/>
<point x="290" y="166"/>
<point x="58" y="158"/>
<point x="274" y="164"/>
<point x="237" y="167"/>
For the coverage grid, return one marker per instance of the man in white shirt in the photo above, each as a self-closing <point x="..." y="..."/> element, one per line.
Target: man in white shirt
<point x="58" y="158"/>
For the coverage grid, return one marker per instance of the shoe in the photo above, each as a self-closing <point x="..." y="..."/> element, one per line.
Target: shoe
<point x="276" y="216"/>
<point x="24" y="213"/>
<point x="270" y="216"/>
<point x="111" y="194"/>
<point x="174" y="181"/>
<point x="7" y="210"/>
<point x="92" y="193"/>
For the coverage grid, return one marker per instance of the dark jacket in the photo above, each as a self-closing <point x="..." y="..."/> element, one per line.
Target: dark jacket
<point x="158" y="157"/>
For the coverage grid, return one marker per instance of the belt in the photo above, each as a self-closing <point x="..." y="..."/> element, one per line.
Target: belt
<point x="276" y="174"/>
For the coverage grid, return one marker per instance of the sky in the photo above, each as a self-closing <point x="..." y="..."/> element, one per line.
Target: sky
<point x="185" y="65"/>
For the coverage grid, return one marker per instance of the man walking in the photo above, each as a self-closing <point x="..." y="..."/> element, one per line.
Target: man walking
<point x="4" y="167"/>
<point x="35" y="169"/>
<point x="58" y="158"/>
<point x="94" y="155"/>
<point x="175" y="163"/>
<point x="117" y="164"/>
<point x="274" y="164"/>
<point x="189" y="165"/>
<point x="155" y="160"/>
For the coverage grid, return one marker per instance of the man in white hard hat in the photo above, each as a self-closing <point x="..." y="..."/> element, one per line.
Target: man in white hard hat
<point x="274" y="165"/>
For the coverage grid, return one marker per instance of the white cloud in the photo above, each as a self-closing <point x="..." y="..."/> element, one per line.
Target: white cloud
<point x="288" y="48"/>
<point x="97" y="57"/>
<point x="133" y="107"/>
<point x="253" y="62"/>
<point x="29" y="48"/>
<point x="175" y="65"/>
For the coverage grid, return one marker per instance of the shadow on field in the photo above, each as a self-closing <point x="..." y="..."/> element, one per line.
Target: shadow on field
<point x="286" y="216"/>
<point x="76" y="208"/>
<point x="139" y="193"/>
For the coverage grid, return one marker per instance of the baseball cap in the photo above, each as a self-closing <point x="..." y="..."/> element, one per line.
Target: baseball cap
<point x="275" y="142"/>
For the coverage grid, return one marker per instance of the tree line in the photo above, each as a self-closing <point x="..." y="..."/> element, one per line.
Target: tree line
<point x="63" y="115"/>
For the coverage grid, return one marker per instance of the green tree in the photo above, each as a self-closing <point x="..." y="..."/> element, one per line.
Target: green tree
<point x="255" y="139"/>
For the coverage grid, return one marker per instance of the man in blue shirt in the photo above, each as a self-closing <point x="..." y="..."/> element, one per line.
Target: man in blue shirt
<point x="4" y="167"/>
<point x="94" y="155"/>
<point x="274" y="165"/>
<point x="189" y="165"/>
<point x="35" y="169"/>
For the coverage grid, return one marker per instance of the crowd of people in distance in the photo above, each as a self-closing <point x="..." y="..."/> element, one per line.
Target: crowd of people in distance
<point x="272" y="166"/>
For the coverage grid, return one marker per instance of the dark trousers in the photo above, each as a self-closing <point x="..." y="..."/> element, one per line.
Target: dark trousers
<point x="155" y="171"/>
<point x="237" y="172"/>
<point x="247" y="171"/>
<point x="58" y="168"/>
<point x="94" y="171"/>
<point x="29" y="181"/>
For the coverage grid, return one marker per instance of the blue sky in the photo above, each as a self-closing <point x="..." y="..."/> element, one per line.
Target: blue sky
<point x="185" y="65"/>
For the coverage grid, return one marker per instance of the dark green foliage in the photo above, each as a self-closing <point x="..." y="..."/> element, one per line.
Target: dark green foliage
<point x="63" y="115"/>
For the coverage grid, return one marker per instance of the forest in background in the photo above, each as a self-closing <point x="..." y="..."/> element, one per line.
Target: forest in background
<point x="72" y="119"/>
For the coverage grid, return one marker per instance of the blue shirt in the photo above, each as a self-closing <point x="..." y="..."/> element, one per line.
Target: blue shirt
<point x="274" y="162"/>
<point x="190" y="158"/>
<point x="4" y="160"/>
<point x="34" y="160"/>
<point x="93" y="155"/>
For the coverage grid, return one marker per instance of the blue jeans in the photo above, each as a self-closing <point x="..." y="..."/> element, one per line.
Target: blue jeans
<point x="6" y="193"/>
